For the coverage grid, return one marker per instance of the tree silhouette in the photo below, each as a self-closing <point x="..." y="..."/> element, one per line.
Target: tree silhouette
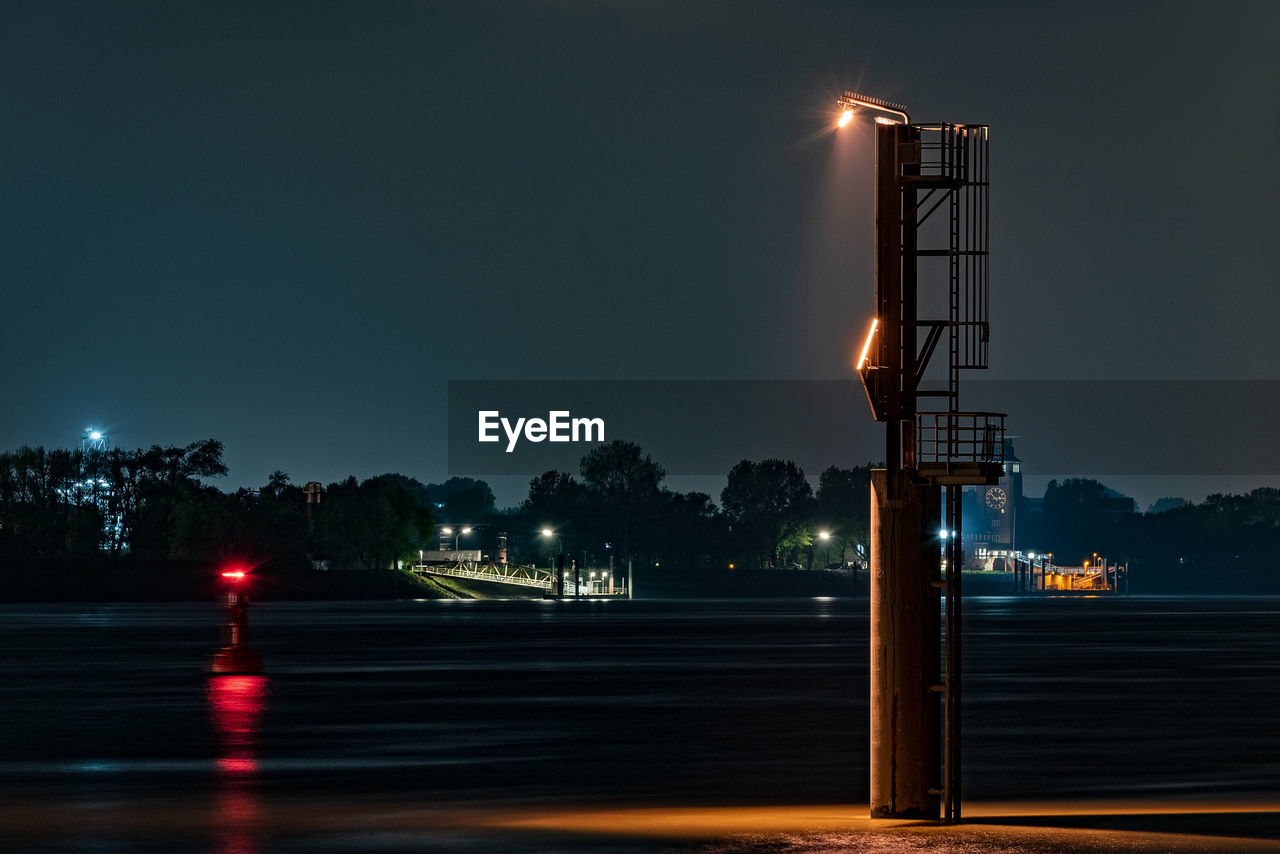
<point x="768" y="504"/>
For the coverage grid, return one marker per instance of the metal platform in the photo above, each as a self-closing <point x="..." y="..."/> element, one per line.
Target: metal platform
<point x="953" y="473"/>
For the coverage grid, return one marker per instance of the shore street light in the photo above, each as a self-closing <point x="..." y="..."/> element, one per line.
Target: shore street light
<point x="825" y="536"/>
<point x="850" y="101"/>
<point x="558" y="562"/>
<point x="455" y="534"/>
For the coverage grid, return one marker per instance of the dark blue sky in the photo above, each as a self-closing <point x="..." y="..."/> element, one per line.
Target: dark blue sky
<point x="288" y="225"/>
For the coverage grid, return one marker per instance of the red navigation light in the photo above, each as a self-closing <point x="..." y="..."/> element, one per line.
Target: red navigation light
<point x="235" y="574"/>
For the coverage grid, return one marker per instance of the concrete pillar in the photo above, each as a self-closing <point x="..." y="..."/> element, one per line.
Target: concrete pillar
<point x="905" y="649"/>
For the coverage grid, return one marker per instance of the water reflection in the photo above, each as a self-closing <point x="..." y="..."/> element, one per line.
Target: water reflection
<point x="236" y="704"/>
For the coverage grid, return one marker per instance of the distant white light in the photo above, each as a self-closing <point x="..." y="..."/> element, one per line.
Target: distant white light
<point x="95" y="435"/>
<point x="942" y="533"/>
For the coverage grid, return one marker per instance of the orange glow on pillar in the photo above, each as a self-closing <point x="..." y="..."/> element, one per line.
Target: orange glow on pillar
<point x="866" y="347"/>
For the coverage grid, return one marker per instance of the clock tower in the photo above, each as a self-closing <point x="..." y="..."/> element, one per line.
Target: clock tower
<point x="991" y="512"/>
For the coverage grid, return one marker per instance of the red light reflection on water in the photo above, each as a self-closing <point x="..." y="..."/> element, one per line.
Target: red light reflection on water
<point x="236" y="704"/>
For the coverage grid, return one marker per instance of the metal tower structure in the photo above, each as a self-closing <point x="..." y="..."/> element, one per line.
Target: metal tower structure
<point x="931" y="283"/>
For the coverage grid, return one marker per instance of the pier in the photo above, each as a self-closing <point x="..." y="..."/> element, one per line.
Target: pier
<point x="1037" y="573"/>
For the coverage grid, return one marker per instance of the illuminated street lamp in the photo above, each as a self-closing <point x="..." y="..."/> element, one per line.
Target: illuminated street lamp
<point x="825" y="536"/>
<point x="850" y="101"/>
<point x="455" y="535"/>
<point x="558" y="563"/>
<point x="93" y="439"/>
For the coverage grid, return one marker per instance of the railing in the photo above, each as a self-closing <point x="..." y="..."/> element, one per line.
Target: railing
<point x="519" y="576"/>
<point x="959" y="437"/>
<point x="953" y="151"/>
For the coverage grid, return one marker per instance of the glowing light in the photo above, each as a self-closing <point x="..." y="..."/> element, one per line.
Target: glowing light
<point x="824" y="535"/>
<point x="233" y="573"/>
<point x="95" y="435"/>
<point x="942" y="533"/>
<point x="881" y="120"/>
<point x="866" y="347"/>
<point x="547" y="532"/>
<point x="849" y="100"/>
<point x="845" y="117"/>
<point x="466" y="530"/>
<point x="446" y="530"/>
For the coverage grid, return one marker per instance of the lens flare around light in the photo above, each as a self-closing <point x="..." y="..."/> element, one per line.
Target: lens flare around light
<point x="845" y="117"/>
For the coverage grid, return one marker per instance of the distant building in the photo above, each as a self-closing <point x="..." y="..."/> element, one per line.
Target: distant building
<point x="1001" y="518"/>
<point x="989" y="514"/>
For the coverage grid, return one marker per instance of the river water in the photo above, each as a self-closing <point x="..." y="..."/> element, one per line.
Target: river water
<point x="508" y="705"/>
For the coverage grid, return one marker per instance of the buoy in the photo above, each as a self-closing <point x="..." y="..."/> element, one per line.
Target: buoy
<point x="236" y="657"/>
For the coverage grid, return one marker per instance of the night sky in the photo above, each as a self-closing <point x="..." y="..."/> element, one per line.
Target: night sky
<point x="289" y="225"/>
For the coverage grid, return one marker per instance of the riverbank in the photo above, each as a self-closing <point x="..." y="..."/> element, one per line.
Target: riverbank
<point x="1047" y="827"/>
<point x="141" y="580"/>
<point x="126" y="579"/>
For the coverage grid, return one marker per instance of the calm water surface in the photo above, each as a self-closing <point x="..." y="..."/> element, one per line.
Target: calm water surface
<point x="515" y="703"/>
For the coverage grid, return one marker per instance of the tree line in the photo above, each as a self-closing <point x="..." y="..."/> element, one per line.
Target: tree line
<point x="768" y="516"/>
<point x="1225" y="543"/>
<point x="158" y="502"/>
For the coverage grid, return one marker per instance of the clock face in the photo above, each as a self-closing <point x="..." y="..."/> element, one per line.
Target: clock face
<point x="996" y="498"/>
